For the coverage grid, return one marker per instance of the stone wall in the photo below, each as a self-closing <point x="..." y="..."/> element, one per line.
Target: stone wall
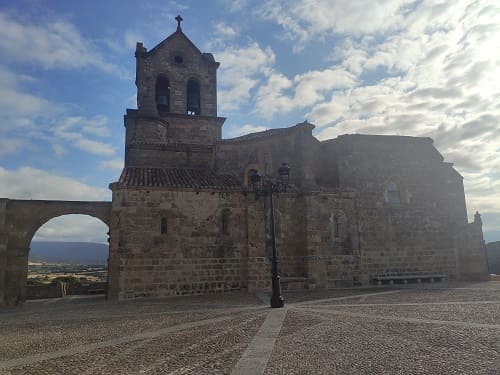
<point x="493" y="251"/>
<point x="258" y="247"/>
<point x="45" y="291"/>
<point x="266" y="151"/>
<point x="87" y="288"/>
<point x="19" y="220"/>
<point x="333" y="258"/>
<point x="421" y="234"/>
<point x="198" y="255"/>
<point x="472" y="259"/>
<point x="172" y="242"/>
<point x="155" y="143"/>
<point x="171" y="129"/>
<point x="310" y="255"/>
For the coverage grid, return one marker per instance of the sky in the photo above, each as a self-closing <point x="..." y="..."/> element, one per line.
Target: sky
<point x="406" y="67"/>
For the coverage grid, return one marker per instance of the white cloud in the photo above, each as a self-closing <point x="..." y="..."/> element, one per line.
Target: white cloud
<point x="59" y="149"/>
<point x="54" y="44"/>
<point x="96" y="126"/>
<point x="113" y="164"/>
<point x="482" y="194"/>
<point x="34" y="119"/>
<point x="26" y="119"/>
<point x="271" y="97"/>
<point x="75" y="130"/>
<point x="31" y="183"/>
<point x="243" y="69"/>
<point x="79" y="141"/>
<point x="93" y="147"/>
<point x="306" y="20"/>
<point x="308" y="88"/>
<point x="10" y="146"/>
<point x="16" y="103"/>
<point x="125" y="42"/>
<point x="131" y="38"/>
<point x="224" y="31"/>
<point x="19" y="112"/>
<point x="73" y="228"/>
<point x="235" y="5"/>
<point x="246" y="129"/>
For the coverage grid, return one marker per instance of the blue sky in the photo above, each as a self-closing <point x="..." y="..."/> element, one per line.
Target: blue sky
<point x="421" y="68"/>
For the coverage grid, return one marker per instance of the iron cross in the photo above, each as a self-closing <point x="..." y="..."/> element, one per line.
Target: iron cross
<point x="179" y="19"/>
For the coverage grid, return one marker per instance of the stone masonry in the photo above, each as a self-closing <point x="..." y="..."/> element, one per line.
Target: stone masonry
<point x="19" y="221"/>
<point x="360" y="209"/>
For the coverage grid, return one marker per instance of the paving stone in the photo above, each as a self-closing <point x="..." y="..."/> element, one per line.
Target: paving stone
<point x="417" y="330"/>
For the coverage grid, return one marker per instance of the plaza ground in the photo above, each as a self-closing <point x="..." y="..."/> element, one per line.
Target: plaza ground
<point x="440" y="328"/>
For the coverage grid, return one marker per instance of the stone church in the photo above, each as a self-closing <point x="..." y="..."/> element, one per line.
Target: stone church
<point x="360" y="209"/>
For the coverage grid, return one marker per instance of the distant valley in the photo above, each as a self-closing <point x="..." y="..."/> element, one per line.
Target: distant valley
<point x="69" y="252"/>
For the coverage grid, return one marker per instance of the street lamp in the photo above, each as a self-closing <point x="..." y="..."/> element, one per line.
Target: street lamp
<point x="267" y="187"/>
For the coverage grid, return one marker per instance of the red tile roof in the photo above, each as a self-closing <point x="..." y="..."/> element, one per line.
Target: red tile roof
<point x="178" y="178"/>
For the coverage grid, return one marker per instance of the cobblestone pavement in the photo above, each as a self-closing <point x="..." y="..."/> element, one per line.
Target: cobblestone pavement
<point x="422" y="329"/>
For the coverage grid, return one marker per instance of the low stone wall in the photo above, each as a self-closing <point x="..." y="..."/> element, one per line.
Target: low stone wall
<point x="259" y="274"/>
<point x="169" y="277"/>
<point x="44" y="291"/>
<point x="64" y="289"/>
<point x="342" y="271"/>
<point x="408" y="262"/>
<point x="87" y="288"/>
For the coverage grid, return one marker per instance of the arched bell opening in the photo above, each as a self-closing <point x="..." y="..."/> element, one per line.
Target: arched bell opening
<point x="193" y="99"/>
<point x="162" y="94"/>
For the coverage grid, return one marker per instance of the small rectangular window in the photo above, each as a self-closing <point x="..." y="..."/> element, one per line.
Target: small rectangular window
<point x="225" y="222"/>
<point x="393" y="193"/>
<point x="267" y="161"/>
<point x="164" y="225"/>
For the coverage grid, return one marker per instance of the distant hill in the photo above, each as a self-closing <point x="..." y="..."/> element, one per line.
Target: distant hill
<point x="493" y="251"/>
<point x="69" y="252"/>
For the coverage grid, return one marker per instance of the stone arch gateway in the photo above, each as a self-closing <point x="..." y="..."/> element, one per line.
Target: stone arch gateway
<point x="19" y="220"/>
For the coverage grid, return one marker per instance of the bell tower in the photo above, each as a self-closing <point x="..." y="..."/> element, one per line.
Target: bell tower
<point x="175" y="124"/>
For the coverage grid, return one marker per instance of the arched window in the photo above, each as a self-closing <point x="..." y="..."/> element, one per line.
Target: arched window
<point x="267" y="162"/>
<point x="336" y="227"/>
<point x="193" y="97"/>
<point x="163" y="94"/>
<point x="393" y="193"/>
<point x="336" y="222"/>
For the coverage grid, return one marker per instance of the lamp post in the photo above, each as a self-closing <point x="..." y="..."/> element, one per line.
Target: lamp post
<point x="267" y="187"/>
